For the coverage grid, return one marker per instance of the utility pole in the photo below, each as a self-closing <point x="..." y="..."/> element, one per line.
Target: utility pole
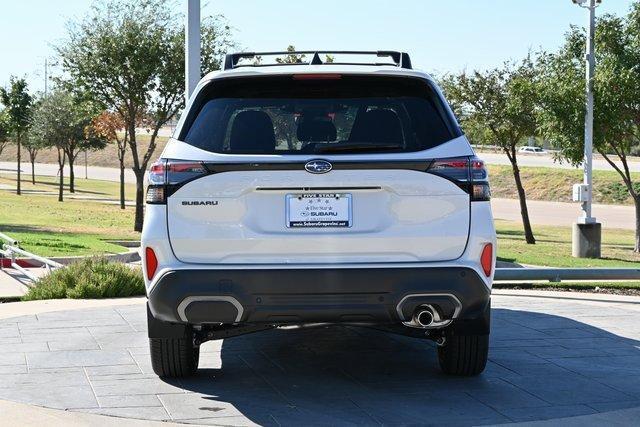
<point x="192" y="47"/>
<point x="587" y="232"/>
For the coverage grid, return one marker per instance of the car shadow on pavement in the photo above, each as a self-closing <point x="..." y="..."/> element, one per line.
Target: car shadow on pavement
<point x="541" y="366"/>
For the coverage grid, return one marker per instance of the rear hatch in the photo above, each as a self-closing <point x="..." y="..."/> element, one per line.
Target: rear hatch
<point x="380" y="216"/>
<point x="332" y="169"/>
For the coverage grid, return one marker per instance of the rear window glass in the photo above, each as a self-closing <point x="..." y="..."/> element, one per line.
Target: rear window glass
<point x="347" y="115"/>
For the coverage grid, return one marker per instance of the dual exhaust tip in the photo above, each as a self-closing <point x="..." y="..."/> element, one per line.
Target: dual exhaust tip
<point x="424" y="316"/>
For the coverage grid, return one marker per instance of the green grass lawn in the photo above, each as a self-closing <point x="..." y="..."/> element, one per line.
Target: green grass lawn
<point x="47" y="227"/>
<point x="555" y="184"/>
<point x="553" y="247"/>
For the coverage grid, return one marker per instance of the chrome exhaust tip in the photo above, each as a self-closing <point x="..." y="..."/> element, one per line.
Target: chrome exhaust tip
<point x="424" y="317"/>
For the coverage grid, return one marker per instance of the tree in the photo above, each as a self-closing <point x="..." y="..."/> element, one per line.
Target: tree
<point x="18" y="110"/>
<point x="108" y="124"/>
<point x="616" y="93"/>
<point x="86" y="138"/>
<point x="33" y="144"/>
<point x="52" y="123"/>
<point x="128" y="55"/>
<point x="61" y="121"/>
<point x="499" y="104"/>
<point x="292" y="58"/>
<point x="4" y="130"/>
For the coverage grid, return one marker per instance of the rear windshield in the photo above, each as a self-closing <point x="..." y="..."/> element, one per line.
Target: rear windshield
<point x="289" y="115"/>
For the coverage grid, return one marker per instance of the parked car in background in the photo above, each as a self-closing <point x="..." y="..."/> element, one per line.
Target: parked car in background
<point x="318" y="192"/>
<point x="532" y="150"/>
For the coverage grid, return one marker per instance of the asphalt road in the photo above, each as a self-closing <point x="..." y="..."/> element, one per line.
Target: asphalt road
<point x="93" y="172"/>
<point x="542" y="213"/>
<point x="558" y="213"/>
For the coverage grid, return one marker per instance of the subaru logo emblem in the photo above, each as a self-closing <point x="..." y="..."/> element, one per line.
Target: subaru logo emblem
<point x="318" y="166"/>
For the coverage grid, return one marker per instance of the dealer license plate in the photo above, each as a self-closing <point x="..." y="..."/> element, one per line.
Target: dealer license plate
<point x="318" y="210"/>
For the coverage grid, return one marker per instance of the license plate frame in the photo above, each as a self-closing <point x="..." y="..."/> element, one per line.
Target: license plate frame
<point x="319" y="202"/>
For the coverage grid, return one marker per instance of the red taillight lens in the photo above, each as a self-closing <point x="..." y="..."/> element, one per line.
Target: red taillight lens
<point x="157" y="173"/>
<point x="151" y="262"/>
<point x="455" y="169"/>
<point x="468" y="172"/>
<point x="486" y="259"/>
<point x="165" y="176"/>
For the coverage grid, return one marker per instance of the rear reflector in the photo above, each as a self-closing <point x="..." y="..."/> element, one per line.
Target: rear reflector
<point x="486" y="259"/>
<point x="151" y="262"/>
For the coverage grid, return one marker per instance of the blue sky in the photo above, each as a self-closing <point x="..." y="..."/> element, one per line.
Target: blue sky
<point x="440" y="35"/>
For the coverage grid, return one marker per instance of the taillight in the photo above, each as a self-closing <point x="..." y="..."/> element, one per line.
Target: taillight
<point x="469" y="173"/>
<point x="151" y="262"/>
<point x="166" y="176"/>
<point x="486" y="259"/>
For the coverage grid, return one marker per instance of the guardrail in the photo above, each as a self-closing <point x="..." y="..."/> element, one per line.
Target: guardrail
<point x="11" y="249"/>
<point x="560" y="274"/>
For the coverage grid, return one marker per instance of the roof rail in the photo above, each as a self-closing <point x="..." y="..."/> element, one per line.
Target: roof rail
<point x="400" y="59"/>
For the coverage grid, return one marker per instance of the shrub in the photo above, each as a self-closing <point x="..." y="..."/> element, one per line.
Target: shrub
<point x="89" y="278"/>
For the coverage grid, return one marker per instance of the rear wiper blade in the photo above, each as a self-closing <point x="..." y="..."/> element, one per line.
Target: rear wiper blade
<point x="337" y="148"/>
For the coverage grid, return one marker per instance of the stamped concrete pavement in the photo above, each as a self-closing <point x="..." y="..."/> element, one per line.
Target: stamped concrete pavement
<point x="552" y="356"/>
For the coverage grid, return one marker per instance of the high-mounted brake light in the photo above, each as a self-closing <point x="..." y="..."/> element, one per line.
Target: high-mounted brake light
<point x="166" y="176"/>
<point x="486" y="259"/>
<point x="469" y="173"/>
<point x="321" y="76"/>
<point x="151" y="262"/>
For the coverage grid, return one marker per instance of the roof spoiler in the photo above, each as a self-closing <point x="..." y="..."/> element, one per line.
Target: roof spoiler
<point x="400" y="59"/>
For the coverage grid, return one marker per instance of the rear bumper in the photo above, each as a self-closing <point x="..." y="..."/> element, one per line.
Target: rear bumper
<point x="339" y="295"/>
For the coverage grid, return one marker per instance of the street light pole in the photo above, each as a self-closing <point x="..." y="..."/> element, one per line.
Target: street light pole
<point x="192" y="47"/>
<point x="588" y="121"/>
<point x="587" y="231"/>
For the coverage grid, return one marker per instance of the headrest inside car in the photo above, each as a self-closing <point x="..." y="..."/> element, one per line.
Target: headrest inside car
<point x="316" y="131"/>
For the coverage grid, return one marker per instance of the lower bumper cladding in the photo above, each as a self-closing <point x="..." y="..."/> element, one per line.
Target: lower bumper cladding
<point x="294" y="296"/>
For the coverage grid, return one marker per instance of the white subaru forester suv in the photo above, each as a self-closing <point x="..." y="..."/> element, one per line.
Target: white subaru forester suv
<point x="330" y="190"/>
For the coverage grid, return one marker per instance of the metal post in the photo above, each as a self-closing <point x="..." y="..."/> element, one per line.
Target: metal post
<point x="192" y="47"/>
<point x="588" y="121"/>
<point x="86" y="166"/>
<point x="587" y="231"/>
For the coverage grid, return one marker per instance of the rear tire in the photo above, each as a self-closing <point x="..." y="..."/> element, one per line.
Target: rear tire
<point x="174" y="357"/>
<point x="464" y="355"/>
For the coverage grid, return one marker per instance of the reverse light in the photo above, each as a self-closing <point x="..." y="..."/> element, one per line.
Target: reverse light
<point x="486" y="259"/>
<point x="151" y="262"/>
